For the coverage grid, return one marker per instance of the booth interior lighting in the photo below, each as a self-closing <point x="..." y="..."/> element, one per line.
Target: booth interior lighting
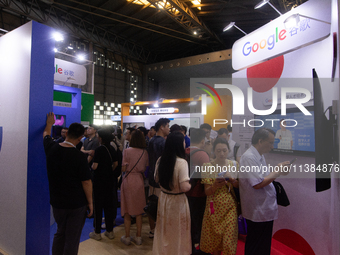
<point x="156" y="105"/>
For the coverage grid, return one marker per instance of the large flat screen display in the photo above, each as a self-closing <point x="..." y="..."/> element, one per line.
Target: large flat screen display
<point x="296" y="135"/>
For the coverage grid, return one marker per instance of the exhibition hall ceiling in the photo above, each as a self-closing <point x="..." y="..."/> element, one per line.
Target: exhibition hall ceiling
<point x="148" y="31"/>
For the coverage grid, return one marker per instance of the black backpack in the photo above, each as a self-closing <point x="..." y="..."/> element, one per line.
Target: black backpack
<point x="191" y="168"/>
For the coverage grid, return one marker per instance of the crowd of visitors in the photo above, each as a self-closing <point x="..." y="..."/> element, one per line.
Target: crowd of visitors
<point x="197" y="214"/>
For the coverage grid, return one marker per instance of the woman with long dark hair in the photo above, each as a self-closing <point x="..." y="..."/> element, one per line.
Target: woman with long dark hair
<point x="104" y="162"/>
<point x="172" y="233"/>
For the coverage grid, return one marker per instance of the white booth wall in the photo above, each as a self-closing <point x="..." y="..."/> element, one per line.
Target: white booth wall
<point x="26" y="71"/>
<point x="313" y="215"/>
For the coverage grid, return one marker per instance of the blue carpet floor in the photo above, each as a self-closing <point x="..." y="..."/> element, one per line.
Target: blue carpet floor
<point x="88" y="227"/>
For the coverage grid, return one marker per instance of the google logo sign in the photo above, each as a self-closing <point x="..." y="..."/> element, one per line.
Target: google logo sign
<point x="269" y="43"/>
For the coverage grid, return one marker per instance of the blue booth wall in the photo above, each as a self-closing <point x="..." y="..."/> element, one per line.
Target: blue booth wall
<point x="73" y="114"/>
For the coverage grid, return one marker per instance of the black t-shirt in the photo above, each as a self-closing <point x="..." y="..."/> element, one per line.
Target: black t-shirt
<point x="67" y="167"/>
<point x="104" y="172"/>
<point x="155" y="150"/>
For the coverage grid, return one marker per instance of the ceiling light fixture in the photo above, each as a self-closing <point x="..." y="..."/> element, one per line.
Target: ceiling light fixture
<point x="232" y="24"/>
<point x="263" y="2"/>
<point x="58" y="37"/>
<point x="294" y="19"/>
<point x="81" y="57"/>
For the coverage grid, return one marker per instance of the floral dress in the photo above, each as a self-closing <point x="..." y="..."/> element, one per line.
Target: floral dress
<point x="220" y="225"/>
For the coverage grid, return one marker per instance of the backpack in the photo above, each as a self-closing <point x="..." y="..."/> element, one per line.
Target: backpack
<point x="197" y="188"/>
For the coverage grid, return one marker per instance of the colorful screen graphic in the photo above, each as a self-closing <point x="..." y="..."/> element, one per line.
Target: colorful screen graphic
<point x="297" y="136"/>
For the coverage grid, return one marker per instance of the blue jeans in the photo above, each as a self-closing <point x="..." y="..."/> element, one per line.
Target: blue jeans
<point x="70" y="224"/>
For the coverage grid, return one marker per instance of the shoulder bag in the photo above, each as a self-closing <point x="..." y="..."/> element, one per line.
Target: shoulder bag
<point x="281" y="196"/>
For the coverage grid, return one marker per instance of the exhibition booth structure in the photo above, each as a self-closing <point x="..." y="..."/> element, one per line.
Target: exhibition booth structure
<point x="26" y="71"/>
<point x="33" y="83"/>
<point x="172" y="113"/>
<point x="70" y="104"/>
<point x="286" y="79"/>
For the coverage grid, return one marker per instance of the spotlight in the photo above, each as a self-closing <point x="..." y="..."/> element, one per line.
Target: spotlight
<point x="58" y="37"/>
<point x="232" y="24"/>
<point x="263" y="2"/>
<point x="81" y="57"/>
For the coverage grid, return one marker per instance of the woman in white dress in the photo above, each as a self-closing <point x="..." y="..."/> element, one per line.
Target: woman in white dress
<point x="172" y="233"/>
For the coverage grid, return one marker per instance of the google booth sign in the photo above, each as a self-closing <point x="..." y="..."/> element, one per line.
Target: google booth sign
<point x="268" y="43"/>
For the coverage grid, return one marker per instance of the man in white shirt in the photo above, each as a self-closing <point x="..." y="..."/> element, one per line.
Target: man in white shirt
<point x="258" y="195"/>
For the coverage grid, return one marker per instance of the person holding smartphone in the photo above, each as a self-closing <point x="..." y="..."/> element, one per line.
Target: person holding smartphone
<point x="220" y="226"/>
<point x="258" y="194"/>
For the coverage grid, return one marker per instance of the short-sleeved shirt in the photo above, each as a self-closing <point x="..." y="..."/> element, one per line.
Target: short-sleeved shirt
<point x="155" y="150"/>
<point x="91" y="144"/>
<point x="67" y="167"/>
<point x="104" y="170"/>
<point x="258" y="205"/>
<point x="181" y="174"/>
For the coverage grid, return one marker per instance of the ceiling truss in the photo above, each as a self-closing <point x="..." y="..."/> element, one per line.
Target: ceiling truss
<point x="59" y="18"/>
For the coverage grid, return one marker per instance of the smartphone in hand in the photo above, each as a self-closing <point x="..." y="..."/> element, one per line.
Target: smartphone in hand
<point x="293" y="160"/>
<point x="221" y="174"/>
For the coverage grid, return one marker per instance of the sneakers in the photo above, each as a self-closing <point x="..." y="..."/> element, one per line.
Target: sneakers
<point x="125" y="240"/>
<point x="110" y="235"/>
<point x="103" y="225"/>
<point x="95" y="236"/>
<point x="152" y="233"/>
<point x="137" y="240"/>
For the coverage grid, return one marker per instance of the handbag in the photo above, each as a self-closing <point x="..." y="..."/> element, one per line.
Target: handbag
<point x="151" y="207"/>
<point x="281" y="196"/>
<point x="242" y="225"/>
<point x="123" y="177"/>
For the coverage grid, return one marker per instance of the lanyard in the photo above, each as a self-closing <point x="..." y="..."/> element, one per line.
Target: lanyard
<point x="70" y="144"/>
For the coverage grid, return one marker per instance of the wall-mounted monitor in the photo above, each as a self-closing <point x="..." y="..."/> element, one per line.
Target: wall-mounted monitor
<point x="296" y="135"/>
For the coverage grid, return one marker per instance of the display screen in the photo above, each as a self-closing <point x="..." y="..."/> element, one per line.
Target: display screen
<point x="297" y="133"/>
